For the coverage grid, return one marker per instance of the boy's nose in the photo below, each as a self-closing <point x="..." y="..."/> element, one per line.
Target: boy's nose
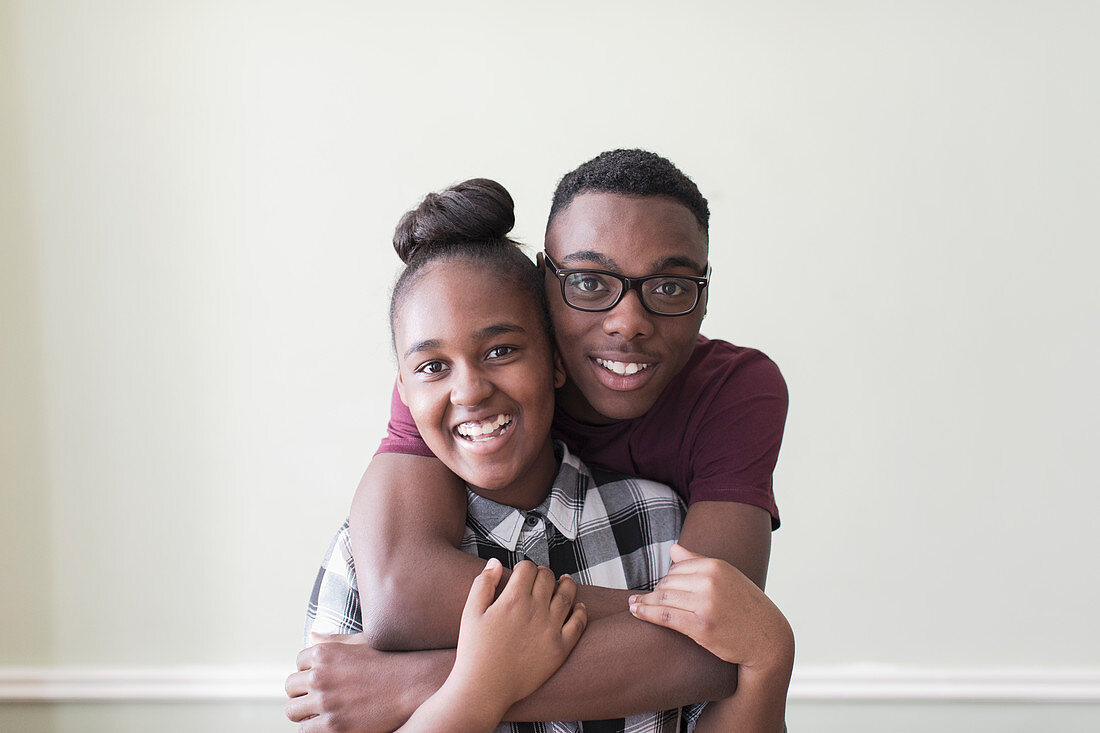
<point x="629" y="319"/>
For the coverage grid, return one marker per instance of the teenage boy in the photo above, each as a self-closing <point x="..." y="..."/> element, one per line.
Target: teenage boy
<point x="646" y="395"/>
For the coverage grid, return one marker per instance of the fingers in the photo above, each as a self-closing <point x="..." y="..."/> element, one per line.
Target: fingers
<point x="544" y="587"/>
<point x="299" y="707"/>
<point x="317" y="724"/>
<point x="305" y="658"/>
<point x="483" y="589"/>
<point x="562" y="602"/>
<point x="522" y="580"/>
<point x="316" y="638"/>
<point x="676" y="619"/>
<point x="297" y="684"/>
<point x="684" y="599"/>
<point x="571" y="631"/>
<point x="679" y="553"/>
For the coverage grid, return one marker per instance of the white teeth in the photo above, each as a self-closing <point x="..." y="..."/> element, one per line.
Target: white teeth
<point x="475" y="429"/>
<point x="622" y="368"/>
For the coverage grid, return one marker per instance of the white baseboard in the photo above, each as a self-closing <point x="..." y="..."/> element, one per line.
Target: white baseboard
<point x="850" y="683"/>
<point x="867" y="683"/>
<point x="77" y="684"/>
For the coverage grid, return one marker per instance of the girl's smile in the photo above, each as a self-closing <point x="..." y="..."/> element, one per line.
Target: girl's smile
<point x="478" y="375"/>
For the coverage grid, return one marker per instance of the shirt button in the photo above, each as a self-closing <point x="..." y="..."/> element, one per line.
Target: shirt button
<point x="532" y="520"/>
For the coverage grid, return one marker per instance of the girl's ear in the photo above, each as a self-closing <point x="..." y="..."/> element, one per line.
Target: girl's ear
<point x="559" y="370"/>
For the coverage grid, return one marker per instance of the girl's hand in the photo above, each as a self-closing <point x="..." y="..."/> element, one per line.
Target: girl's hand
<point x="714" y="603"/>
<point x="507" y="648"/>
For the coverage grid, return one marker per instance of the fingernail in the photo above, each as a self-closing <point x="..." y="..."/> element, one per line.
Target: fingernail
<point x="565" y="575"/>
<point x="632" y="599"/>
<point x="633" y="607"/>
<point x="493" y="563"/>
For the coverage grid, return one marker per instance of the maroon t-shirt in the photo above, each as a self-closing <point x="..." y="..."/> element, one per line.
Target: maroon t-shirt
<point x="713" y="434"/>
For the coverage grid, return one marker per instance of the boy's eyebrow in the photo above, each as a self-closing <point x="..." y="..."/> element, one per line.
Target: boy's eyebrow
<point x="587" y="255"/>
<point x="680" y="261"/>
<point x="604" y="261"/>
<point x="496" y="329"/>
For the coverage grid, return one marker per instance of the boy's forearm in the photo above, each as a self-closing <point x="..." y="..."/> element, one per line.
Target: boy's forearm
<point x="602" y="602"/>
<point x="758" y="706"/>
<point x="620" y="667"/>
<point x="623" y="666"/>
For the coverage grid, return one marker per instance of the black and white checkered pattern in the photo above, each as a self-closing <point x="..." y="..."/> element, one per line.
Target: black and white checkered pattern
<point x="601" y="527"/>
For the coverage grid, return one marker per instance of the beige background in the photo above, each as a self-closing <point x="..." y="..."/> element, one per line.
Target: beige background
<point x="196" y="201"/>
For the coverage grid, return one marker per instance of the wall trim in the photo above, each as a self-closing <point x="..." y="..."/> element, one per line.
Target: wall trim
<point x="849" y="683"/>
<point x="868" y="683"/>
<point x="193" y="683"/>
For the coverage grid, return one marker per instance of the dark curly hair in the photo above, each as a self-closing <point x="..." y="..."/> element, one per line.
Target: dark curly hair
<point x="468" y="221"/>
<point x="634" y="173"/>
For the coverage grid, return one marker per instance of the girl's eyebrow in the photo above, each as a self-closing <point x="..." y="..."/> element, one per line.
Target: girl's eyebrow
<point x="496" y="329"/>
<point x="424" y="345"/>
<point x="499" y="329"/>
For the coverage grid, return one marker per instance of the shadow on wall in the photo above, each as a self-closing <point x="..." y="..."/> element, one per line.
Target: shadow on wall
<point x="26" y="635"/>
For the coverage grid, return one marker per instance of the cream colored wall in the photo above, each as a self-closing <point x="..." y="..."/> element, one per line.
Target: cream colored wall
<point x="195" y="210"/>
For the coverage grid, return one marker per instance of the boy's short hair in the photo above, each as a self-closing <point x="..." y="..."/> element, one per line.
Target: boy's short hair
<point x="633" y="173"/>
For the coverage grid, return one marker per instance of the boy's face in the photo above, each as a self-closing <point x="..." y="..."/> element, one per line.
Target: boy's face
<point x="477" y="371"/>
<point x="633" y="236"/>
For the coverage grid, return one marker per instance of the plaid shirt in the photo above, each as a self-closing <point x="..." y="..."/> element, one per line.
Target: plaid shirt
<point x="601" y="527"/>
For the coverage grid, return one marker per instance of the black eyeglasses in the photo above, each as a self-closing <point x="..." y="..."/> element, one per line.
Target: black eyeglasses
<point x="599" y="290"/>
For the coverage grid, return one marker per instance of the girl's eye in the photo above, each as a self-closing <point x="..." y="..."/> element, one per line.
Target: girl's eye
<point x="498" y="352"/>
<point x="431" y="367"/>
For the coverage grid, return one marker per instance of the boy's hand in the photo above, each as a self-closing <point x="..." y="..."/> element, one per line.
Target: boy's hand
<point x="722" y="610"/>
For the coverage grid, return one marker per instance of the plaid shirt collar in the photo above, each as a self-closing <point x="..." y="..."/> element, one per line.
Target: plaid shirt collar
<point x="562" y="506"/>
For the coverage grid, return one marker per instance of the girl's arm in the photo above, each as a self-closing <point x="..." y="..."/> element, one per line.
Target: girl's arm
<point x="724" y="612"/>
<point x="506" y="648"/>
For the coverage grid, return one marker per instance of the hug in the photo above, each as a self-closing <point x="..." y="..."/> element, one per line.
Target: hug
<point x="570" y="516"/>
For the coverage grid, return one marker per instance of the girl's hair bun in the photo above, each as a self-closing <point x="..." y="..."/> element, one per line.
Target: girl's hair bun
<point x="474" y="211"/>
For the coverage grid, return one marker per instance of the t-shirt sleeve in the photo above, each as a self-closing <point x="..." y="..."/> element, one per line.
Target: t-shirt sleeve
<point x="401" y="433"/>
<point x="737" y="442"/>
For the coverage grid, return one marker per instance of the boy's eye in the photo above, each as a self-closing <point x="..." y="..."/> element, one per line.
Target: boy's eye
<point x="587" y="282"/>
<point x="500" y="351"/>
<point x="670" y="288"/>
<point x="431" y="367"/>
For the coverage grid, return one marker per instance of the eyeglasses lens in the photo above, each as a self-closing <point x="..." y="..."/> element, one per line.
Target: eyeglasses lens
<point x="598" y="291"/>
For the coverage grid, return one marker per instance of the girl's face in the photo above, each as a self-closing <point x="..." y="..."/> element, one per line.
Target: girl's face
<point x="477" y="371"/>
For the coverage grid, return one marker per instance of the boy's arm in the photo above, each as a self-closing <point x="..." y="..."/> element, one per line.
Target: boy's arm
<point x="727" y="614"/>
<point x="602" y="675"/>
<point x="407" y="521"/>
<point x="621" y="665"/>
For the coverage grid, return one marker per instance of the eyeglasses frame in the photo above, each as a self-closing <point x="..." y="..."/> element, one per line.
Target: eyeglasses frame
<point x="629" y="283"/>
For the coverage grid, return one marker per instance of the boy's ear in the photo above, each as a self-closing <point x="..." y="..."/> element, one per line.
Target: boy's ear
<point x="401" y="388"/>
<point x="559" y="370"/>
